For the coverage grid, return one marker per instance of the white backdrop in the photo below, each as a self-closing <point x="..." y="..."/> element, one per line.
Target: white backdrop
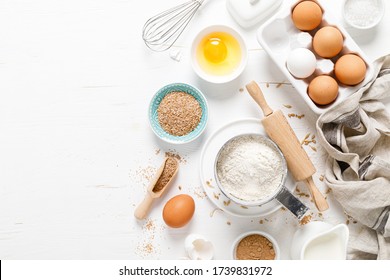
<point x="75" y="144"/>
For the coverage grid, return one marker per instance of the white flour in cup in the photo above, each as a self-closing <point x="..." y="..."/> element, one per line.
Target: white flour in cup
<point x="250" y="168"/>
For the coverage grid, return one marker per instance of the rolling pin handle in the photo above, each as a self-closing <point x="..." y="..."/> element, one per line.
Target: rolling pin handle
<point x="256" y="93"/>
<point x="318" y="198"/>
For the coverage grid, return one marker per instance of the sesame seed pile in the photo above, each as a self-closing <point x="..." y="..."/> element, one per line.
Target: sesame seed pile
<point x="179" y="113"/>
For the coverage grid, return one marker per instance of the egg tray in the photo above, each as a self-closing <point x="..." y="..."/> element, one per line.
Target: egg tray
<point x="279" y="36"/>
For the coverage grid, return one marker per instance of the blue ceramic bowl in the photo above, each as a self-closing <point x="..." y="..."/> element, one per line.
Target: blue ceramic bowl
<point x="153" y="117"/>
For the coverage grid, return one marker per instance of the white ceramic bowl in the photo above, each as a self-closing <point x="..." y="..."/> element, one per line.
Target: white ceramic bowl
<point x="355" y="23"/>
<point x="218" y="79"/>
<point x="266" y="235"/>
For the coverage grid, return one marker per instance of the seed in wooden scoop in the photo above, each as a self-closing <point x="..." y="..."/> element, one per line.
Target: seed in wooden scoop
<point x="166" y="175"/>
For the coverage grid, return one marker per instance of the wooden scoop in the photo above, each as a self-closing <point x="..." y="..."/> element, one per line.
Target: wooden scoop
<point x="142" y="210"/>
<point x="280" y="131"/>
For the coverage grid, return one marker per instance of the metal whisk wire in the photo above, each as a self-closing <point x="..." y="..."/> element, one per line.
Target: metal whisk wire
<point x="161" y="31"/>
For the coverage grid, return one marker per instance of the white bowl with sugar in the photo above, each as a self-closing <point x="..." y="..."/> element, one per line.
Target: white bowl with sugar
<point x="363" y="14"/>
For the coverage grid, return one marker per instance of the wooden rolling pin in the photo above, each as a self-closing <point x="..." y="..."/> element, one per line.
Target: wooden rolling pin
<point x="280" y="131"/>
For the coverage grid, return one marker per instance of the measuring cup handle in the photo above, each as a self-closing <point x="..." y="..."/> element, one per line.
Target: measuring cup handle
<point x="288" y="200"/>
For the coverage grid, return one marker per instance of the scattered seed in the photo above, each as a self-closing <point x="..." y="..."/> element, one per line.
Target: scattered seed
<point x="306" y="219"/>
<point x="208" y="183"/>
<point x="306" y="141"/>
<point x="226" y="203"/>
<point x="176" y="156"/>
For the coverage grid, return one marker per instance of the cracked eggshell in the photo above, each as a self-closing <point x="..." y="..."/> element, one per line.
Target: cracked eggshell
<point x="198" y="247"/>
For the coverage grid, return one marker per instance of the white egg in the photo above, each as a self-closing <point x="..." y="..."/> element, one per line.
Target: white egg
<point x="199" y="248"/>
<point x="301" y="63"/>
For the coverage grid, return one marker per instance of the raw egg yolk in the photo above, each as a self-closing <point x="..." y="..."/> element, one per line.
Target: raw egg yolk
<point x="215" y="50"/>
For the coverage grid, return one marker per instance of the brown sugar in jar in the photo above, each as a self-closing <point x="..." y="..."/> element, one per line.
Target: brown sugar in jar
<point x="255" y="247"/>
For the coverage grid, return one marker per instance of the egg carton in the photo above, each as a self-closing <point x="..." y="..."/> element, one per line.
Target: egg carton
<point x="279" y="36"/>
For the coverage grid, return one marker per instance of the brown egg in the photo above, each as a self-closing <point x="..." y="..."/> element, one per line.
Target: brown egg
<point x="307" y="15"/>
<point x="323" y="90"/>
<point x="179" y="210"/>
<point x="328" y="42"/>
<point x="350" y="69"/>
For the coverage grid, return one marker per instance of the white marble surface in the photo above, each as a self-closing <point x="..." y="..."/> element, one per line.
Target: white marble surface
<point x="75" y="83"/>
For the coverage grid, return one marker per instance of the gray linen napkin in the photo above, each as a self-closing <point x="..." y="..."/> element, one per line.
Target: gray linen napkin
<point x="356" y="135"/>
